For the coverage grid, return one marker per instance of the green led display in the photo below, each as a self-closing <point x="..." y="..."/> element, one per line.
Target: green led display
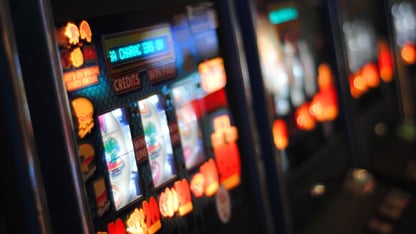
<point x="138" y="50"/>
<point x="283" y="15"/>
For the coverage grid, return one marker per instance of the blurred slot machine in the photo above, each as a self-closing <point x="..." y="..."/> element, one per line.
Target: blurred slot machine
<point x="21" y="180"/>
<point x="160" y="148"/>
<point x="300" y="85"/>
<point x="376" y="109"/>
<point x="402" y="15"/>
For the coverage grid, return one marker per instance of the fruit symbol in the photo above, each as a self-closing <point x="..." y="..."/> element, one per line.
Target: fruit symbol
<point x="212" y="74"/>
<point x="197" y="184"/>
<point x="168" y="202"/>
<point x="84" y="110"/>
<point x="114" y="163"/>
<point x="116" y="227"/>
<point x="135" y="223"/>
<point x="151" y="134"/>
<point x="72" y="33"/>
<point x="76" y="57"/>
<point x="85" y="31"/>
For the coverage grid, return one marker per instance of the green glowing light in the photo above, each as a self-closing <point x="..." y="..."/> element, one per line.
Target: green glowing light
<point x="283" y="15"/>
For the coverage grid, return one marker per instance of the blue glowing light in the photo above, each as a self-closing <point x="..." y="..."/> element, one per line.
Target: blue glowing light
<point x="138" y="50"/>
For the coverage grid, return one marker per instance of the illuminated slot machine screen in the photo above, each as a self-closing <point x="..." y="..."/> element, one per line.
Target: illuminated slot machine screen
<point x="157" y="140"/>
<point x="298" y="73"/>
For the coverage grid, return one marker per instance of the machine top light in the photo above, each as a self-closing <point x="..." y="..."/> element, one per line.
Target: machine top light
<point x="283" y="15"/>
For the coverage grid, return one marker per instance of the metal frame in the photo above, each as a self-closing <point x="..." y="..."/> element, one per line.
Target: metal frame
<point x="26" y="210"/>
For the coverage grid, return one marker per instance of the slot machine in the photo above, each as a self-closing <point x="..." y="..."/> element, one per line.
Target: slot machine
<point x="25" y="208"/>
<point x="401" y="15"/>
<point x="290" y="46"/>
<point x="142" y="117"/>
<point x="373" y="110"/>
<point x="372" y="83"/>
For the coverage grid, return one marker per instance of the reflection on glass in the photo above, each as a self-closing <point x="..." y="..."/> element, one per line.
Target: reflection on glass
<point x="157" y="137"/>
<point x="119" y="155"/>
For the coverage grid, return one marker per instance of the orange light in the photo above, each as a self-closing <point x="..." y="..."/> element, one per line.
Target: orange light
<point x="324" y="105"/>
<point x="223" y="133"/>
<point x="317" y="107"/>
<point x="330" y="104"/>
<point x="226" y="151"/>
<point x="81" y="78"/>
<point x="324" y="76"/>
<point x="408" y="53"/>
<point x="209" y="170"/>
<point x="85" y="31"/>
<point x="212" y="75"/>
<point x="84" y="110"/>
<point x="168" y="202"/>
<point x="228" y="164"/>
<point x="152" y="214"/>
<point x="116" y="227"/>
<point x="355" y="93"/>
<point x="370" y="73"/>
<point x="197" y="184"/>
<point x="184" y="197"/>
<point x="385" y="61"/>
<point x="360" y="83"/>
<point x="77" y="58"/>
<point x="72" y="33"/>
<point x="280" y="134"/>
<point x="304" y="118"/>
<point x="135" y="222"/>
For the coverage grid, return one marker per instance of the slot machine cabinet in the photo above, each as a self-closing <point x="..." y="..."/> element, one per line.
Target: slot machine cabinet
<point x="325" y="190"/>
<point x="373" y="111"/>
<point x="146" y="125"/>
<point x="374" y="100"/>
<point x="400" y="12"/>
<point x="384" y="149"/>
<point x="21" y="181"/>
<point x="290" y="47"/>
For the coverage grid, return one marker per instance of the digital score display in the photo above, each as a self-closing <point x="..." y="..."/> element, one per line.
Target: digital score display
<point x="138" y="49"/>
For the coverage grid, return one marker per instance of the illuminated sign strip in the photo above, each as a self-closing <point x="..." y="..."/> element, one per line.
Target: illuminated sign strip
<point x="138" y="49"/>
<point x="283" y="15"/>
